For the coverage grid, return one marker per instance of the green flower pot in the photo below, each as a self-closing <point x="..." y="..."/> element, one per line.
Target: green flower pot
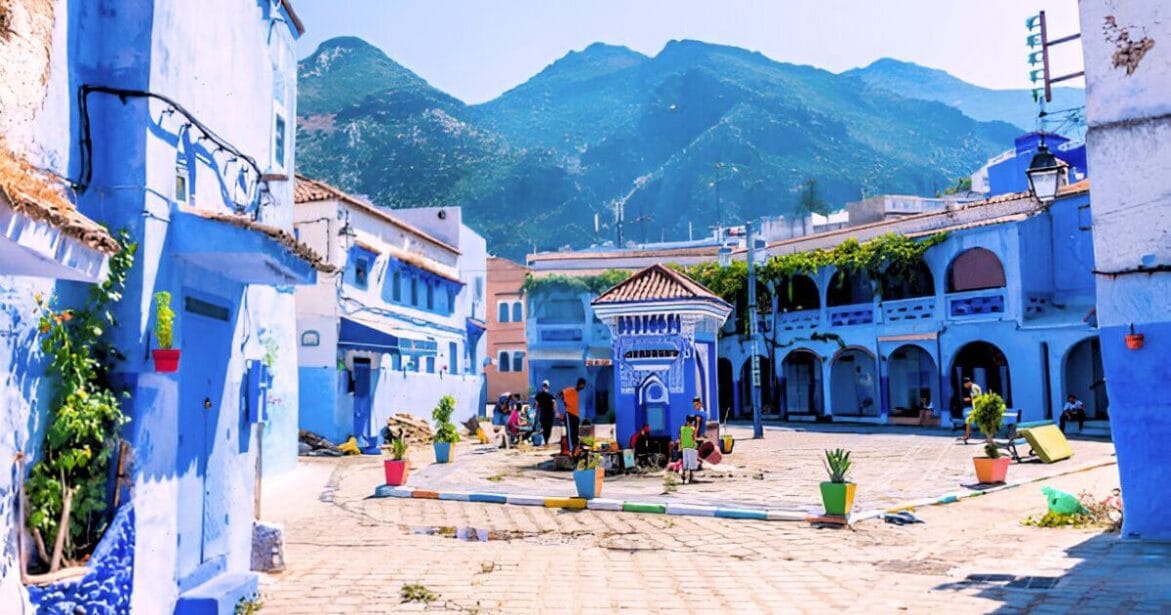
<point x="838" y="498"/>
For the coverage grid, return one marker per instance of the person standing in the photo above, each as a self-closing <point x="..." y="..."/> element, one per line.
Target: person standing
<point x="971" y="392"/>
<point x="570" y="397"/>
<point x="546" y="410"/>
<point x="690" y="450"/>
<point x="1073" y="410"/>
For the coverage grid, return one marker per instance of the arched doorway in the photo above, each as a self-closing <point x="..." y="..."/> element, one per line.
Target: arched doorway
<point x="797" y="294"/>
<point x="768" y="403"/>
<point x="603" y="393"/>
<point x="1083" y="377"/>
<point x="912" y="375"/>
<point x="910" y="283"/>
<point x="987" y="366"/>
<point x="727" y="389"/>
<point x="974" y="269"/>
<point x="801" y="383"/>
<point x="849" y="288"/>
<point x="854" y="384"/>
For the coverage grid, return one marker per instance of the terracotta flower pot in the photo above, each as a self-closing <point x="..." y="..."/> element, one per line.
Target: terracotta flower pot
<point x="1134" y="341"/>
<point x="166" y="360"/>
<point x="991" y="471"/>
<point x="442" y="452"/>
<point x="838" y="498"/>
<point x="589" y="482"/>
<point x="397" y="471"/>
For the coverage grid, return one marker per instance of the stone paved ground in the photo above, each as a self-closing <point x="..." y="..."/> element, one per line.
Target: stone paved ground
<point x="781" y="471"/>
<point x="350" y="553"/>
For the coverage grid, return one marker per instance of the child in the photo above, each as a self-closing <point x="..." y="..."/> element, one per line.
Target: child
<point x="690" y="448"/>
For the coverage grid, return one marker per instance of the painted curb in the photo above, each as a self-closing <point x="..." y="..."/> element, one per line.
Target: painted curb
<point x="951" y="498"/>
<point x="606" y="504"/>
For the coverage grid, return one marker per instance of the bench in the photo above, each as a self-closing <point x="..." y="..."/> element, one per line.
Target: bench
<point x="1014" y="438"/>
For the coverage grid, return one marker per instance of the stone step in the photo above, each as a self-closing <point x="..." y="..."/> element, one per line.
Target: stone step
<point x="218" y="595"/>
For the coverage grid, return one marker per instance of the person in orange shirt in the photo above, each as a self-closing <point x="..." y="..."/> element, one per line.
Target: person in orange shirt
<point x="569" y="397"/>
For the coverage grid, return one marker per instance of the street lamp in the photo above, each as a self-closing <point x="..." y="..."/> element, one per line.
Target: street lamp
<point x="1044" y="174"/>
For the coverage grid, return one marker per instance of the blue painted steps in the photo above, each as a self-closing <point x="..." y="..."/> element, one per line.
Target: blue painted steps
<point x="219" y="595"/>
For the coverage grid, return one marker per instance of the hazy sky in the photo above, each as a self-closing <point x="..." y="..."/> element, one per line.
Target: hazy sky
<point x="476" y="50"/>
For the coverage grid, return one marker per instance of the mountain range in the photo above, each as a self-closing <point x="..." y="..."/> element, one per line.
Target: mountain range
<point x="695" y="136"/>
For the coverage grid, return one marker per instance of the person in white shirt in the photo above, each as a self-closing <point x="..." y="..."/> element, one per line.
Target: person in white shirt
<point x="1073" y="410"/>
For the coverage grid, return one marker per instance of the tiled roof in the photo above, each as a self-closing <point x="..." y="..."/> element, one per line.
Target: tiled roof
<point x="281" y="236"/>
<point x="39" y="196"/>
<point x="656" y="283"/>
<point x="307" y="190"/>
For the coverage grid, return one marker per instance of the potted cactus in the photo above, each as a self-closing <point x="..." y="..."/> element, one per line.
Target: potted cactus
<point x="445" y="433"/>
<point x="837" y="494"/>
<point x="166" y="358"/>
<point x="588" y="476"/>
<point x="987" y="415"/>
<point x="397" y="467"/>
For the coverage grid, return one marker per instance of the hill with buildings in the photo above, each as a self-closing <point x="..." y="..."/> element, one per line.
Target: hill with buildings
<point x="696" y="134"/>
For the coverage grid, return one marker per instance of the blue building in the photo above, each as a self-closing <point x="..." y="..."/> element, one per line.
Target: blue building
<point x="1006" y="173"/>
<point x="1007" y="300"/>
<point x="399" y="326"/>
<point x="1129" y="137"/>
<point x="127" y="101"/>
<point x="565" y="339"/>
<point x="664" y="327"/>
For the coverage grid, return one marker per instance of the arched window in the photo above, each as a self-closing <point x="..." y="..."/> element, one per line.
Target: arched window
<point x="518" y="361"/>
<point x="917" y="281"/>
<point x="503" y="364"/>
<point x="517" y="312"/>
<point x="975" y="269"/>
<point x="502" y="311"/>
<point x="797" y="294"/>
<point x="849" y="288"/>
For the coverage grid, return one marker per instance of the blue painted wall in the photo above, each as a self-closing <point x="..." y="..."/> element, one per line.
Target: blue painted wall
<point x="1008" y="176"/>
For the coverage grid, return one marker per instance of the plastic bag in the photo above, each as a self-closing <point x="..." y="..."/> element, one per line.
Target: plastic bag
<point x="1061" y="502"/>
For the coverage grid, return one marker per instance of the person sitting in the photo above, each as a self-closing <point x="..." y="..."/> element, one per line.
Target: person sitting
<point x="640" y="443"/>
<point x="1073" y="410"/>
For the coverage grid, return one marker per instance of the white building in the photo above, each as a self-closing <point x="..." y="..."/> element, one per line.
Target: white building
<point x="399" y="327"/>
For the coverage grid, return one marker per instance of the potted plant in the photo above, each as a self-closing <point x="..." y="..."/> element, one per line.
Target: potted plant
<point x="445" y="432"/>
<point x="987" y="415"/>
<point x="588" y="476"/>
<point x="1134" y="341"/>
<point x="837" y="494"/>
<point x="398" y="467"/>
<point x="166" y="358"/>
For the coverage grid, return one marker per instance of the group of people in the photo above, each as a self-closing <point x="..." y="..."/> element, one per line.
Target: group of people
<point x="683" y="453"/>
<point x="1073" y="410"/>
<point x="508" y="412"/>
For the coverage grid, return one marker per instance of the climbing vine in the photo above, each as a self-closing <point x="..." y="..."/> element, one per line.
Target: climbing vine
<point x="66" y="489"/>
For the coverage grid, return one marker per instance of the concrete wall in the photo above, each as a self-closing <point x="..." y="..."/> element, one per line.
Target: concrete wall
<point x="1128" y="111"/>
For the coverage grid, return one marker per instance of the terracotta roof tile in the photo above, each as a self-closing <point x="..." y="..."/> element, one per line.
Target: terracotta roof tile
<point x="656" y="283"/>
<point x="40" y="196"/>
<point x="281" y="236"/>
<point x="307" y="190"/>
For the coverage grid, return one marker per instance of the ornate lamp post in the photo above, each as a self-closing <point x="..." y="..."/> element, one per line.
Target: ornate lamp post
<point x="1044" y="174"/>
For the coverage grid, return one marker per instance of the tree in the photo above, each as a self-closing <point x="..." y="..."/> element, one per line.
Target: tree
<point x="810" y="201"/>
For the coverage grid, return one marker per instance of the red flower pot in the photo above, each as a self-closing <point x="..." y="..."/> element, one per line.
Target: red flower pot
<point x="166" y="360"/>
<point x="396" y="471"/>
<point x="991" y="471"/>
<point x="1134" y="341"/>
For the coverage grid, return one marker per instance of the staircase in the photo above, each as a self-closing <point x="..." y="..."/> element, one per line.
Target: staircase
<point x="1093" y="429"/>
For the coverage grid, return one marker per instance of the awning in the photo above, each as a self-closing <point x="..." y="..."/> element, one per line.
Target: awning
<point x="243" y="250"/>
<point x="368" y="336"/>
<point x="475" y="328"/>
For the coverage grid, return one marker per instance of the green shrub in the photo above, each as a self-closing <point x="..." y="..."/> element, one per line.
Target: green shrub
<point x="988" y="415"/>
<point x="164" y="320"/>
<point x="398" y="448"/>
<point x="444" y="429"/>
<point x="589" y="462"/>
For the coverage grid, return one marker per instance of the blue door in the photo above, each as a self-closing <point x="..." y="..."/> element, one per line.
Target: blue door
<point x="363" y="405"/>
<point x="207" y="335"/>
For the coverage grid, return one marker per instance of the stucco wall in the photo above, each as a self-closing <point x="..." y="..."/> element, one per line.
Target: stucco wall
<point x="1129" y="144"/>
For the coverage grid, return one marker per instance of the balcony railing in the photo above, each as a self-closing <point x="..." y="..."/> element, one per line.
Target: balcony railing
<point x="902" y="310"/>
<point x="560" y="334"/>
<point x="845" y="315"/>
<point x="975" y="303"/>
<point x="798" y="320"/>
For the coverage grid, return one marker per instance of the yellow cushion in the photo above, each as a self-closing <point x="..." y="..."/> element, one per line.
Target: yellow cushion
<point x="1048" y="443"/>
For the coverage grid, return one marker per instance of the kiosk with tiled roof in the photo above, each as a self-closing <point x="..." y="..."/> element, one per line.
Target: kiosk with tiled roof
<point x="663" y="325"/>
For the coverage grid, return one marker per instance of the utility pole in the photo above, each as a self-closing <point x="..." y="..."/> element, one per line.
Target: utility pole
<point x="757" y="427"/>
